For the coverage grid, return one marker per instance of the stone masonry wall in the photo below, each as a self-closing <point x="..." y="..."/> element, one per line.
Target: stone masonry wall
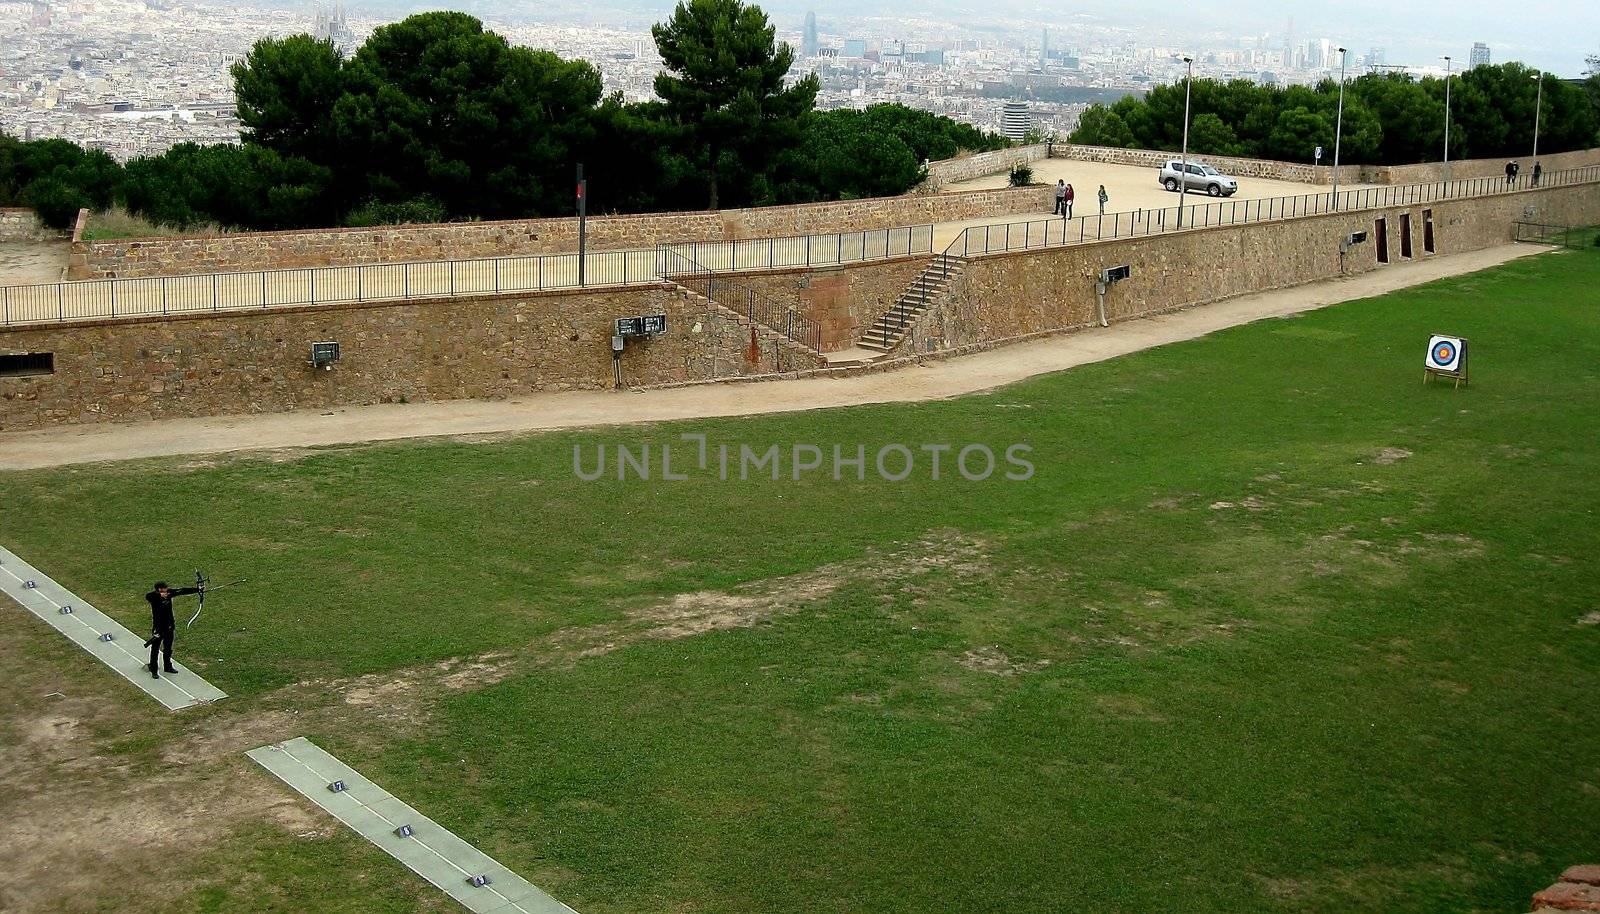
<point x="965" y="168"/>
<point x="843" y="300"/>
<point x="506" y="345"/>
<point x="482" y="347"/>
<point x="1429" y="172"/>
<point x="1254" y="168"/>
<point x="18" y="224"/>
<point x="245" y="251"/>
<point x="1424" y="173"/>
<point x="1009" y="295"/>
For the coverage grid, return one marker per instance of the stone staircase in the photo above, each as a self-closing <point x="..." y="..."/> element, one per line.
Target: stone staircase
<point x="925" y="290"/>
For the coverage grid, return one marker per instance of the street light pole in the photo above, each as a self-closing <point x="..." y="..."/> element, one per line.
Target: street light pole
<point x="1183" y="179"/>
<point x="1447" y="117"/>
<point x="1338" y="127"/>
<point x="1538" y="106"/>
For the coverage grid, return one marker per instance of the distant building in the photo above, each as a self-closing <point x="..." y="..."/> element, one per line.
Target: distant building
<point x="1044" y="51"/>
<point x="1015" y="121"/>
<point x="330" y="27"/>
<point x="1480" y="55"/>
<point x="1375" y="57"/>
<point x="853" y="47"/>
<point x="809" y="44"/>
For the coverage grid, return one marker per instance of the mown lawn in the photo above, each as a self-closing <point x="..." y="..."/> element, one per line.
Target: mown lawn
<point x="1274" y="627"/>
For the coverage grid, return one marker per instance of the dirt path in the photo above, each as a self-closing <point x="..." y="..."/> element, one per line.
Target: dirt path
<point x="936" y="380"/>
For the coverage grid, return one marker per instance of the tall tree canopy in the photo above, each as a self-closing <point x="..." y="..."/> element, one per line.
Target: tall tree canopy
<point x="285" y="91"/>
<point x="436" y="105"/>
<point x="1389" y="118"/>
<point x="724" y="88"/>
<point x="435" y="117"/>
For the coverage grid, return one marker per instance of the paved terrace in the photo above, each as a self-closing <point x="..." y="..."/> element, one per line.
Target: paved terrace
<point x="110" y="298"/>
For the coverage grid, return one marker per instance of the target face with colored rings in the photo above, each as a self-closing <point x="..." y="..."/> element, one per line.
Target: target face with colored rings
<point x="1444" y="353"/>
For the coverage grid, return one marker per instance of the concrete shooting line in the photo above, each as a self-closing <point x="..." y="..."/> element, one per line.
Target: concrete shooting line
<point x="430" y="850"/>
<point x="86" y="627"/>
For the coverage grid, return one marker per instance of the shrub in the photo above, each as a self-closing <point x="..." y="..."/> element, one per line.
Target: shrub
<point x="1021" y="175"/>
<point x="417" y="210"/>
<point x="56" y="201"/>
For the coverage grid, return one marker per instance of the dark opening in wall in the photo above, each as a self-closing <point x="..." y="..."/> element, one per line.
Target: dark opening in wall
<point x="27" y="365"/>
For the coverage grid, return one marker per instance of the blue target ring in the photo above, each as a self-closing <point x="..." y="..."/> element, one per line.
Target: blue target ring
<point x="1444" y="353"/>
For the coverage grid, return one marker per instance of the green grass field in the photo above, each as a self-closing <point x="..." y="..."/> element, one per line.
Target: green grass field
<point x="1275" y="627"/>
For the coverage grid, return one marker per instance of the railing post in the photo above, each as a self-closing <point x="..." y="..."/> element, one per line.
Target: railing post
<point x="215" y="305"/>
<point x="313" y="298"/>
<point x="163" y="295"/>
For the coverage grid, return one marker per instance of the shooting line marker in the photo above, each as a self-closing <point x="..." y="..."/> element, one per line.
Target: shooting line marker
<point x="430" y="850"/>
<point x="99" y="634"/>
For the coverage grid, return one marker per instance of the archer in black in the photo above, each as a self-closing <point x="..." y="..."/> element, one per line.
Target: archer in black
<point x="162" y="624"/>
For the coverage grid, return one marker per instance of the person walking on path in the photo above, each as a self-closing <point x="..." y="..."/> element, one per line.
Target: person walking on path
<point x="1511" y="171"/>
<point x="1069" y="198"/>
<point x="1104" y="199"/>
<point x="162" y="624"/>
<point x="1061" y="198"/>
<point x="1538" y="172"/>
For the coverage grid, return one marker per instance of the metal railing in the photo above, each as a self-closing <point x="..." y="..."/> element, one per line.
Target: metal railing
<point x="756" y="307"/>
<point x="1567" y="236"/>
<point x="216" y="292"/>
<point x="806" y="250"/>
<point x="1018" y="236"/>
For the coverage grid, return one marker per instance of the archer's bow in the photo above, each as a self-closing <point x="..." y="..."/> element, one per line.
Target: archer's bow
<point x="200" y="582"/>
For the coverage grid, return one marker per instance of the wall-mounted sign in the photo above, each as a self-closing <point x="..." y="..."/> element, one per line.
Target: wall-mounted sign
<point x="646" y="325"/>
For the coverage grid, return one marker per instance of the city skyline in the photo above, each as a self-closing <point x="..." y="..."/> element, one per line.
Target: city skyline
<point x="134" y="77"/>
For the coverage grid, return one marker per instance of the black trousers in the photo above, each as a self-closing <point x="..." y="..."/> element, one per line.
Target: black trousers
<point x="161" y="641"/>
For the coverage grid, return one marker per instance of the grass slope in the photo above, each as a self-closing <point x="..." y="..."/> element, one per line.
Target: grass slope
<point x="1275" y="627"/>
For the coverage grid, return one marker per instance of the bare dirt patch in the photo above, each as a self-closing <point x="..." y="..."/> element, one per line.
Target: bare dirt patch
<point x="1590" y="618"/>
<point x="699" y="612"/>
<point x="990" y="659"/>
<point x="1391" y="455"/>
<point x="1127" y="706"/>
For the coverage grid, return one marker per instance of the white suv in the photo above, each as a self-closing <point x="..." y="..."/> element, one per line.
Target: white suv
<point x="1200" y="177"/>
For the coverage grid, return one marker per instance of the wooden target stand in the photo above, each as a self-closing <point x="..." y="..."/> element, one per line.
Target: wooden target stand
<point x="1432" y="368"/>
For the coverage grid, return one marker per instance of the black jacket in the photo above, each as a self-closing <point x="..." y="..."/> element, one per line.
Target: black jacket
<point x="161" y="607"/>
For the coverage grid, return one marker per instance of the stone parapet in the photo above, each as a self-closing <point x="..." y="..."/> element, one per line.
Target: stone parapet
<point x="21" y="224"/>
<point x="247" y="251"/>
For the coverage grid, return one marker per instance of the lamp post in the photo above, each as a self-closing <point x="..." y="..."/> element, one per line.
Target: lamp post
<point x="1538" y="106"/>
<point x="1338" y="127"/>
<point x="1447" y="117"/>
<point x="1183" y="179"/>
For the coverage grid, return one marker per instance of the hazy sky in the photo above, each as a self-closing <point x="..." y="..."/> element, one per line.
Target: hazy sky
<point x="1553" y="34"/>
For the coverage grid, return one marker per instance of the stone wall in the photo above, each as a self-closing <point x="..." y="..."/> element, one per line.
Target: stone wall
<point x="1254" y="168"/>
<point x="506" y="345"/>
<point x="842" y="300"/>
<point x="1425" y="173"/>
<point x="19" y="224"/>
<point x="1010" y="295"/>
<point x="965" y="168"/>
<point x="1429" y="172"/>
<point x="483" y="347"/>
<point x="245" y="251"/>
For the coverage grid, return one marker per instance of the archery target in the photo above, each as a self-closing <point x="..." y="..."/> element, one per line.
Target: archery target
<point x="1444" y="353"/>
